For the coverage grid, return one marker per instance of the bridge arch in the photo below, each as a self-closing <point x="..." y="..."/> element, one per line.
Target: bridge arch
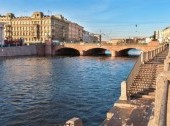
<point x="67" y="52"/>
<point x="126" y="52"/>
<point x="97" y="52"/>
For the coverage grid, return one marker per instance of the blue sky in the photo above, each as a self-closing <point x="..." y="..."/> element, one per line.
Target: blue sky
<point x="115" y="18"/>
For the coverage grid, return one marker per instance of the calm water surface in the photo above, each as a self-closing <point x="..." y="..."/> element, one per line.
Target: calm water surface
<point x="47" y="91"/>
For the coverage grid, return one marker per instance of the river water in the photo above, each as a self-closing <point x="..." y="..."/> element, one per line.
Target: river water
<point x="48" y="91"/>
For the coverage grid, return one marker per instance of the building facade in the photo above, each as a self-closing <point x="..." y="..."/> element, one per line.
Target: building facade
<point x="90" y="37"/>
<point x="86" y="36"/>
<point x="117" y="41"/>
<point x="94" y="38"/>
<point x="1" y="34"/>
<point x="158" y="35"/>
<point x="97" y="37"/>
<point x="166" y="34"/>
<point x="59" y="28"/>
<point x="75" y="32"/>
<point x="35" y="29"/>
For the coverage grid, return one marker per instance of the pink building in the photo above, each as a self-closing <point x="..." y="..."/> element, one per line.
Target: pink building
<point x="75" y="32"/>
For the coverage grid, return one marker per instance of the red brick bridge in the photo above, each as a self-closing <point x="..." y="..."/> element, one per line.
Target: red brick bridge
<point x="81" y="49"/>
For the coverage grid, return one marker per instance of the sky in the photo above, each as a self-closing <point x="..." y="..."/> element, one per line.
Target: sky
<point x="113" y="18"/>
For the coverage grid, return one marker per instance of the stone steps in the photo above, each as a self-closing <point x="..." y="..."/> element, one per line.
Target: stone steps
<point x="142" y="96"/>
<point x="146" y="77"/>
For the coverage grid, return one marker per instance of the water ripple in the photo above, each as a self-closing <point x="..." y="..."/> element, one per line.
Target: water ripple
<point x="47" y="91"/>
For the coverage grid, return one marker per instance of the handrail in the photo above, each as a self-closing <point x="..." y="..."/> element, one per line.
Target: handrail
<point x="144" y="57"/>
<point x="163" y="109"/>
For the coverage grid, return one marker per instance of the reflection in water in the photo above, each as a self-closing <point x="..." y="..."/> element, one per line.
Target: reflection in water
<point x="45" y="91"/>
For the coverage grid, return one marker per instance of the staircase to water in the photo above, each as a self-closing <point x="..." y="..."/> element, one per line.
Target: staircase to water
<point x="137" y="110"/>
<point x="145" y="80"/>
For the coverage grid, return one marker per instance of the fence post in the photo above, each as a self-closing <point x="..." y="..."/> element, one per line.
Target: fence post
<point x="124" y="88"/>
<point x="149" y="55"/>
<point x="154" y="52"/>
<point x="142" y="57"/>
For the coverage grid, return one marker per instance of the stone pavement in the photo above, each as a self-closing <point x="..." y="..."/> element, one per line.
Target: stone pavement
<point x="138" y="114"/>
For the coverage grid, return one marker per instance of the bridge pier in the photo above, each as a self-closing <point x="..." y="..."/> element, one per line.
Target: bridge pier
<point x="82" y="52"/>
<point x="48" y="48"/>
<point x="114" y="53"/>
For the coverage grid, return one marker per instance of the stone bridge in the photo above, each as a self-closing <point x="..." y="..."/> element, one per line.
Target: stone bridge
<point x="95" y="49"/>
<point x="145" y="95"/>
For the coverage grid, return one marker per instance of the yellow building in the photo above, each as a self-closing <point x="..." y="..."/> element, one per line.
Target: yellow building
<point x="166" y="34"/>
<point x="35" y="29"/>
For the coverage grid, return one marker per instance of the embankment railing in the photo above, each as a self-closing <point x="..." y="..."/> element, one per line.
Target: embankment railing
<point x="144" y="57"/>
<point x="163" y="110"/>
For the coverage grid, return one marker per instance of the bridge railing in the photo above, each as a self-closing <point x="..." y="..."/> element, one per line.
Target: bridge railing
<point x="144" y="57"/>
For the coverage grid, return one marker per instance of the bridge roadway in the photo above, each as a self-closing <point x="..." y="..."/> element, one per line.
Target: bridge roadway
<point x="81" y="49"/>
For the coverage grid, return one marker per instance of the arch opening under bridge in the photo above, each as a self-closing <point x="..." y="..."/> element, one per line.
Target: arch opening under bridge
<point x="67" y="52"/>
<point x="129" y="52"/>
<point x="97" y="52"/>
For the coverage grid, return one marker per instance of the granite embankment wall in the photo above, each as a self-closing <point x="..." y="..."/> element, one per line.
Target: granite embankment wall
<point x="31" y="50"/>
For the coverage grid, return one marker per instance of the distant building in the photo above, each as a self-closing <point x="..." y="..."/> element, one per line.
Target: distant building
<point x="117" y="41"/>
<point x="120" y="41"/>
<point x="1" y="34"/>
<point x="147" y="40"/>
<point x="75" y="32"/>
<point x="90" y="37"/>
<point x="158" y="35"/>
<point x="166" y="34"/>
<point x="86" y="36"/>
<point x="35" y="29"/>
<point x="99" y="37"/>
<point x="140" y="40"/>
<point x="94" y="38"/>
<point x="135" y="40"/>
